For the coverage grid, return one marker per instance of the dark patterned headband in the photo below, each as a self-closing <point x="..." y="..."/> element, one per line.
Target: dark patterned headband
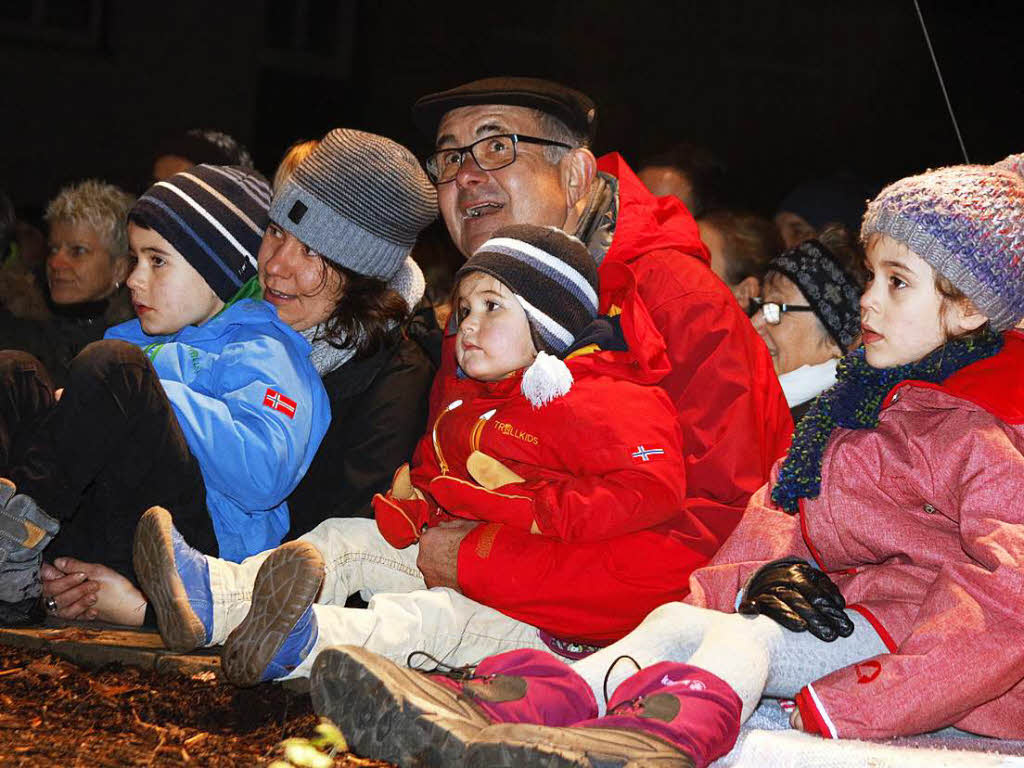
<point x="832" y="293"/>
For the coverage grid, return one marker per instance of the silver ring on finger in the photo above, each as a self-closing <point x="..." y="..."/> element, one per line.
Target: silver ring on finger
<point x="51" y="604"/>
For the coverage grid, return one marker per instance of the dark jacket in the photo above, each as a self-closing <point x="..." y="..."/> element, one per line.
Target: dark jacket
<point x="378" y="412"/>
<point x="56" y="339"/>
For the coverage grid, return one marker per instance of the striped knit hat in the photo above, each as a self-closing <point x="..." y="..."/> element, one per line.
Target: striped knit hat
<point x="551" y="274"/>
<point x="214" y="216"/>
<point x="967" y="221"/>
<point x="359" y="199"/>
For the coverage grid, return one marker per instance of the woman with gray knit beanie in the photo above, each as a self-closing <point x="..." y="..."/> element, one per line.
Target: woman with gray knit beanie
<point x="335" y="263"/>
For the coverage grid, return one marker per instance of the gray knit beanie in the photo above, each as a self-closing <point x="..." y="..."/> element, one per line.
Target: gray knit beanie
<point x="967" y="221"/>
<point x="359" y="199"/>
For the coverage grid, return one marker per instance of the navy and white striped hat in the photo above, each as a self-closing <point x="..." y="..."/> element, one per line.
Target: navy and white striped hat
<point x="551" y="274"/>
<point x="214" y="216"/>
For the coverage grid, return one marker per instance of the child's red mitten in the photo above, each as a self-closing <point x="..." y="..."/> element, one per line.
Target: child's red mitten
<point x="403" y="513"/>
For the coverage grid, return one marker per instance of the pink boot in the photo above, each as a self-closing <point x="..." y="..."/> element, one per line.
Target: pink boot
<point x="668" y="714"/>
<point x="404" y="716"/>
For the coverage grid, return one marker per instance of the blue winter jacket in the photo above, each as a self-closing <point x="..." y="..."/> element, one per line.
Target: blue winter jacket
<point x="253" y="410"/>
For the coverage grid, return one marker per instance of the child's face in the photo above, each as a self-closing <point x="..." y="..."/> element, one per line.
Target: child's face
<point x="494" y="339"/>
<point x="902" y="313"/>
<point x="167" y="292"/>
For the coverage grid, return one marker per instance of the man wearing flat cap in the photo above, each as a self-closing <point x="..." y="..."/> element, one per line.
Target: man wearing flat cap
<point x="515" y="151"/>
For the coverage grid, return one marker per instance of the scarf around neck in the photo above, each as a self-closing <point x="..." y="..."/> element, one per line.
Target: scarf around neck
<point x="854" y="402"/>
<point x="325" y="356"/>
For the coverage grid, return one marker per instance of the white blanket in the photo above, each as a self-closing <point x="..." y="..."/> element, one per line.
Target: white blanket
<point x="767" y="741"/>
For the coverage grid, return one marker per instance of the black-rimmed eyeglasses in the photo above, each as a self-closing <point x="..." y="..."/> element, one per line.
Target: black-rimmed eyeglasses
<point x="490" y="154"/>
<point x="773" y="311"/>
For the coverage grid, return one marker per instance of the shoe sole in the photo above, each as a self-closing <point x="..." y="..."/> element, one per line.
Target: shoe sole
<point x="153" y="560"/>
<point x="391" y="713"/>
<point x="507" y="746"/>
<point x="286" y="584"/>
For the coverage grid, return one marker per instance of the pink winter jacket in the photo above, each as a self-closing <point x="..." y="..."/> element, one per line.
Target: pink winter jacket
<point x="920" y="523"/>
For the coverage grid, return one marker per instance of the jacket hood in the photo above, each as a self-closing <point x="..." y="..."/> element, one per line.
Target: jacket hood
<point x="653" y="222"/>
<point x="995" y="383"/>
<point x="645" y="359"/>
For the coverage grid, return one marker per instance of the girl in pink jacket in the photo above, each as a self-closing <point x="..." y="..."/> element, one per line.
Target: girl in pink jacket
<point x="877" y="579"/>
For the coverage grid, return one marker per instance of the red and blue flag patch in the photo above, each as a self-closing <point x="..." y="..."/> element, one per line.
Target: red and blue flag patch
<point x="278" y="402"/>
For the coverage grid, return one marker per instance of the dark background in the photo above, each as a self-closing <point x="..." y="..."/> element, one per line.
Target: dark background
<point x="781" y="90"/>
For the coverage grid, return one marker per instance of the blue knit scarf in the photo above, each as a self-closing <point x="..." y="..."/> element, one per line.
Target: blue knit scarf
<point x="854" y="402"/>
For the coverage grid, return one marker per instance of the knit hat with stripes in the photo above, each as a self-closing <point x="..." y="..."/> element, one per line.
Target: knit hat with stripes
<point x="359" y="199"/>
<point x="214" y="216"/>
<point x="551" y="274"/>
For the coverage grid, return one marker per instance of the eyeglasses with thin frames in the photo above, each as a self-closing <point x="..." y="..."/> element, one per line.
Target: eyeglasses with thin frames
<point x="490" y="153"/>
<point x="773" y="311"/>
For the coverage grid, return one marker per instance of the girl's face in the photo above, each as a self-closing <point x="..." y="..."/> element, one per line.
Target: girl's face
<point x="494" y="339"/>
<point x="903" y="316"/>
<point x="167" y="292"/>
<point x="295" y="279"/>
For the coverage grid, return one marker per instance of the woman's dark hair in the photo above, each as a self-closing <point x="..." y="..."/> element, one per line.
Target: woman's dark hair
<point x="366" y="313"/>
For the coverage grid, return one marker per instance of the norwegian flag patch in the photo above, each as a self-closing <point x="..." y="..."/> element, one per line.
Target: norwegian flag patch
<point x="278" y="402"/>
<point x="643" y="454"/>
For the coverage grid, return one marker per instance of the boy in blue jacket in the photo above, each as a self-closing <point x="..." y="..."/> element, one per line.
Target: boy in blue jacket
<point x="207" y="404"/>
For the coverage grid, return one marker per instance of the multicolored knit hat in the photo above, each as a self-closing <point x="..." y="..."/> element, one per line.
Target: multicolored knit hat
<point x="552" y="275"/>
<point x="967" y="221"/>
<point x="214" y="216"/>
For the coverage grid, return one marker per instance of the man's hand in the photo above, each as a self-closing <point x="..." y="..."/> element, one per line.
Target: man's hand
<point x="88" y="591"/>
<point x="438" y="558"/>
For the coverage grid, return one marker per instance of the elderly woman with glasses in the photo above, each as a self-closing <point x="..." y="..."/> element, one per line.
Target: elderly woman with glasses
<point x="808" y="313"/>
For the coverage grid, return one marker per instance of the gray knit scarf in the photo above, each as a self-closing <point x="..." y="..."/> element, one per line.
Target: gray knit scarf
<point x="325" y="356"/>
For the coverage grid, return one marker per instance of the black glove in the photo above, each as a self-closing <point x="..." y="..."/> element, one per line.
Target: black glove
<point x="799" y="597"/>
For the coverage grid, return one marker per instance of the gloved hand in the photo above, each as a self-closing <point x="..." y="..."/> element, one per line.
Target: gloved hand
<point x="25" y="530"/>
<point x="495" y="499"/>
<point x="799" y="597"/>
<point x="403" y="513"/>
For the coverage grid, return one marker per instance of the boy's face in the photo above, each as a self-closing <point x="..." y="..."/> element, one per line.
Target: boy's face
<point x="167" y="292"/>
<point x="494" y="339"/>
<point x="903" y="316"/>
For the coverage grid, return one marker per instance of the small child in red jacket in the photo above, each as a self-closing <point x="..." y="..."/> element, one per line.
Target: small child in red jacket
<point x="553" y="438"/>
<point x="878" y="578"/>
